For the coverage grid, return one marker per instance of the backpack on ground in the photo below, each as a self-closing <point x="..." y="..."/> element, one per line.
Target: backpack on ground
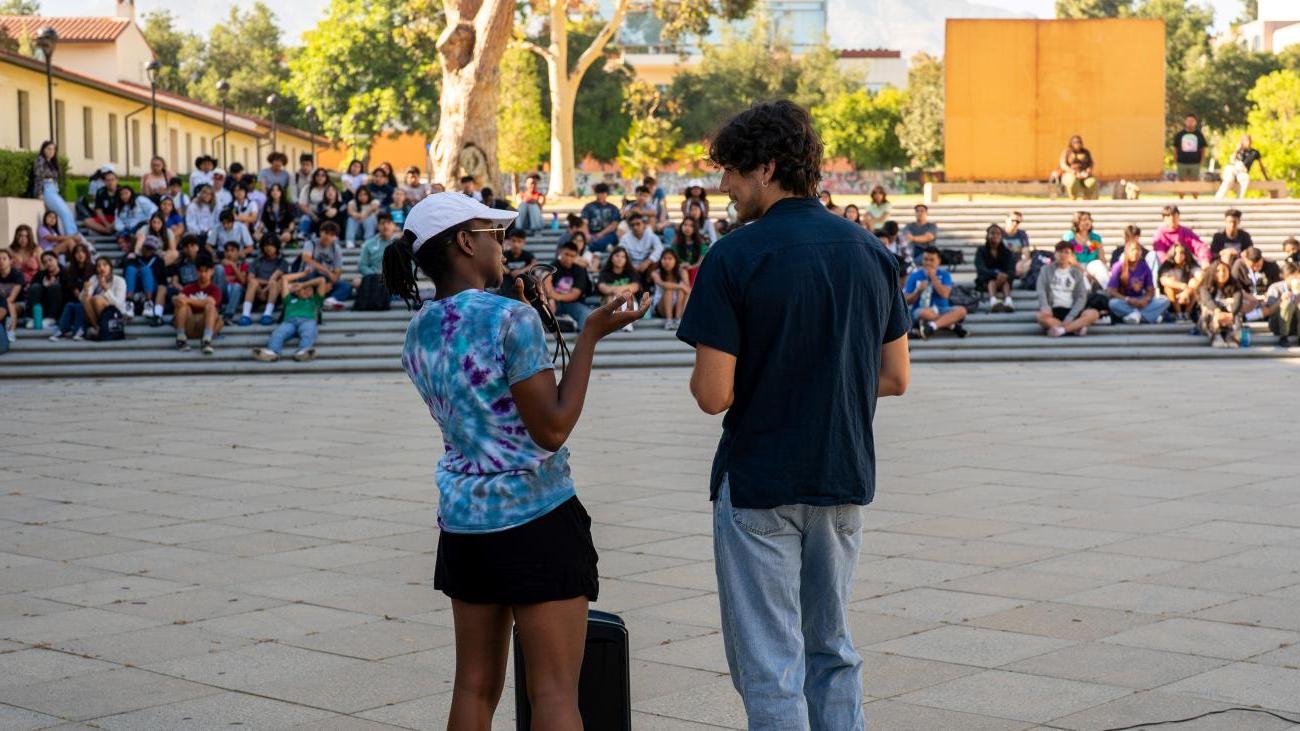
<point x="1037" y="260"/>
<point x="112" y="326"/>
<point x="372" y="295"/>
<point x="952" y="257"/>
<point x="963" y="295"/>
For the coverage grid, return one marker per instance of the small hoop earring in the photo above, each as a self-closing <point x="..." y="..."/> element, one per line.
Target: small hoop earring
<point x="764" y="183"/>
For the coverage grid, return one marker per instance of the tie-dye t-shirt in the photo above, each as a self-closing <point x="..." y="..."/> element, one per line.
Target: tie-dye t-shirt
<point x="463" y="353"/>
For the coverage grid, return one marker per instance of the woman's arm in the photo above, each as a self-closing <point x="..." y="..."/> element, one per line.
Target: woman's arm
<point x="549" y="410"/>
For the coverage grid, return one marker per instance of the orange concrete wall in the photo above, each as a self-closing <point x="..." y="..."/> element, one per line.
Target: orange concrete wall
<point x="1016" y="90"/>
<point x="402" y="151"/>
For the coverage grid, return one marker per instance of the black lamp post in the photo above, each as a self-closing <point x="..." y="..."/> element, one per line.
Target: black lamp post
<point x="46" y="39"/>
<point x="152" y="70"/>
<point x="311" y="129"/>
<point x="272" y="102"/>
<point x="223" y="88"/>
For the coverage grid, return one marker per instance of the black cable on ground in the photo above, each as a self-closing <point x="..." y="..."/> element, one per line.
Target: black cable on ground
<point x="1295" y="721"/>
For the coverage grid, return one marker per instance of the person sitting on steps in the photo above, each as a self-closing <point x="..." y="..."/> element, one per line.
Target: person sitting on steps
<point x="1063" y="296"/>
<point x="926" y="293"/>
<point x="995" y="269"/>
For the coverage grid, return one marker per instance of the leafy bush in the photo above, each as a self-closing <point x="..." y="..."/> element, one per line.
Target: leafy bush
<point x="16" y="172"/>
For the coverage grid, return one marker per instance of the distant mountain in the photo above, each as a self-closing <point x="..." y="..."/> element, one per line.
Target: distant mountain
<point x="907" y="25"/>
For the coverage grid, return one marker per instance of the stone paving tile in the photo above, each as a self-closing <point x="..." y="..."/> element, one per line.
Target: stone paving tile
<point x="1157" y="706"/>
<point x="1149" y="598"/>
<point x="1246" y="684"/>
<point x="152" y="645"/>
<point x="893" y="715"/>
<point x="1210" y="639"/>
<point x="1015" y="695"/>
<point x="1261" y="611"/>
<point x="1064" y="621"/>
<point x="221" y="710"/>
<point x="37" y="665"/>
<point x="1130" y="667"/>
<point x="84" y="697"/>
<point x="21" y="718"/>
<point x="885" y="676"/>
<point x="937" y="605"/>
<point x="376" y="640"/>
<point x="970" y="646"/>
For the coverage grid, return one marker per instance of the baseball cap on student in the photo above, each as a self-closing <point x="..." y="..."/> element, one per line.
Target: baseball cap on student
<point x="440" y="211"/>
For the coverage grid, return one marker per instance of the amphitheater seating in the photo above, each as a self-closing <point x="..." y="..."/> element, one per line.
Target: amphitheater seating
<point x="371" y="341"/>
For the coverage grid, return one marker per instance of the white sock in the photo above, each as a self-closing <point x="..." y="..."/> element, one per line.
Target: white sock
<point x="269" y="309"/>
<point x="248" y="309"/>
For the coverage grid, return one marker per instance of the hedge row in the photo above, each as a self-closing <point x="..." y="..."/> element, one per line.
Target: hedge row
<point x="16" y="172"/>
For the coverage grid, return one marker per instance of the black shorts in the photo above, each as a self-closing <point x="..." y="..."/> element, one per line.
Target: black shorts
<point x="551" y="558"/>
<point x="1060" y="313"/>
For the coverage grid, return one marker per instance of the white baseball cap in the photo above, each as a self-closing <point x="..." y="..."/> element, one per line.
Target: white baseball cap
<point x="438" y="212"/>
<point x="218" y="171"/>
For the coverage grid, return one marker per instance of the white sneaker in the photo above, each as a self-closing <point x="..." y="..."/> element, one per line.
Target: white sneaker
<point x="13" y="337"/>
<point x="1056" y="332"/>
<point x="1006" y="302"/>
<point x="1133" y="318"/>
<point x="627" y="328"/>
<point x="130" y="311"/>
<point x="1083" y="332"/>
<point x="331" y="302"/>
<point x="56" y="337"/>
<point x="49" y="324"/>
<point x="668" y="324"/>
<point x="79" y="334"/>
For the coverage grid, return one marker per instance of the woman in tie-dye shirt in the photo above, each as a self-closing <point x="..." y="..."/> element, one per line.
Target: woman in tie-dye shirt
<point x="515" y="542"/>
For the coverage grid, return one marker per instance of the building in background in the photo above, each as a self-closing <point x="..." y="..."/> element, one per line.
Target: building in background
<point x="102" y="103"/>
<point x="1277" y="27"/>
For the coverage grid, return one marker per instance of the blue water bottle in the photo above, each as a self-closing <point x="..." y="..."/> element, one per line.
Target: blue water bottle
<point x="555" y="221"/>
<point x="1245" y="337"/>
<point x="38" y="317"/>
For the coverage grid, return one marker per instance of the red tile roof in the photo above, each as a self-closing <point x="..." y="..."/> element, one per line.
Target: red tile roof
<point x="870" y="53"/>
<point x="71" y="30"/>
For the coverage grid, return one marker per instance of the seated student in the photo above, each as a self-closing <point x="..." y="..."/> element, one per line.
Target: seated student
<point x="1254" y="275"/>
<point x="180" y="201"/>
<point x="45" y="293"/>
<point x="995" y="269"/>
<point x="1237" y="171"/>
<point x="52" y="239"/>
<point x="145" y="275"/>
<point x="362" y="212"/>
<point x="1233" y="236"/>
<point x="105" y="206"/>
<point x="889" y="236"/>
<point x="309" y="199"/>
<point x="1088" y="248"/>
<point x="245" y="209"/>
<point x="1282" y="305"/>
<point x="829" y="203"/>
<point x="230" y="231"/>
<point x="926" y="293"/>
<point x="1179" y="278"/>
<point x="643" y="206"/>
<point x="202" y="175"/>
<point x="279" y="216"/>
<point x="133" y="212"/>
<point x="602" y="219"/>
<point x="569" y="285"/>
<point x="155" y="228"/>
<point x="371" y="262"/>
<point x="642" y="245"/>
<point x="1291" y="250"/>
<point x="491" y="200"/>
<point x="397" y="212"/>
<point x="878" y="209"/>
<point x="26" y="253"/>
<point x="920" y="233"/>
<point x="590" y="260"/>
<point x="102" y="291"/>
<point x="852" y="213"/>
<point x="573" y="223"/>
<point x="235" y="274"/>
<point x="1173" y="232"/>
<point x="672" y="289"/>
<point x="1221" y="318"/>
<point x="517" y="259"/>
<point x="1076" y="172"/>
<point x="201" y="217"/>
<point x="263" y="282"/>
<point x="531" y="202"/>
<point x="468" y="186"/>
<point x="619" y="277"/>
<point x="1063" y="296"/>
<point x="1017" y="239"/>
<point x="79" y="269"/>
<point x="304" y="296"/>
<point x="695" y="205"/>
<point x="325" y="257"/>
<point x="690" y="246"/>
<point x="330" y="208"/>
<point x="223" y="188"/>
<point x="198" y="308"/>
<point x="185" y="271"/>
<point x="415" y="190"/>
<point x="12" y="285"/>
<point x="1132" y="288"/>
<point x="174" y="222"/>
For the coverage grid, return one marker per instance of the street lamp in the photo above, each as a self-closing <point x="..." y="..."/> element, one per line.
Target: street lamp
<point x="46" y="40"/>
<point x="152" y="69"/>
<point x="223" y="88"/>
<point x="272" y="102"/>
<point x="310" y="111"/>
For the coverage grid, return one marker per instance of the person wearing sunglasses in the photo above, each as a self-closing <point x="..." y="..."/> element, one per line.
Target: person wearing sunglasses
<point x="515" y="543"/>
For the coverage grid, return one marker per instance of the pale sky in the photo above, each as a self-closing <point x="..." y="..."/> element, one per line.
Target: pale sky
<point x="297" y="16"/>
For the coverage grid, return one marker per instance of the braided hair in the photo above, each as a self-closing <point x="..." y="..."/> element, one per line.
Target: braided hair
<point x="403" y="264"/>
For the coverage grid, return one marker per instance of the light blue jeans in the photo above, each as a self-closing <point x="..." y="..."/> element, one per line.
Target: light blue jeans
<point x="1150" y="314"/>
<point x="530" y="217"/>
<point x="304" y="328"/>
<point x="784" y="580"/>
<point x="54" y="201"/>
<point x="361" y="230"/>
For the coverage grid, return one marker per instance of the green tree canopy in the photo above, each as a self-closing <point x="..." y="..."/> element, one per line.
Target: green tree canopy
<point x="353" y="68"/>
<point x="921" y="129"/>
<point x="175" y="49"/>
<point x="652" y="140"/>
<point x="521" y="122"/>
<point x="599" y="119"/>
<point x="1093" y="8"/>
<point x="863" y="127"/>
<point x="1274" y="124"/>
<point x="245" y="49"/>
<point x="1215" y="84"/>
<point x="1187" y="41"/>
<point x="20" y="7"/>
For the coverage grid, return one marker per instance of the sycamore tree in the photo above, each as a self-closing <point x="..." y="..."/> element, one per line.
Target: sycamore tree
<point x="862" y="127"/>
<point x="354" y="69"/>
<point x="921" y="130"/>
<point x="520" y="120"/>
<point x="680" y="17"/>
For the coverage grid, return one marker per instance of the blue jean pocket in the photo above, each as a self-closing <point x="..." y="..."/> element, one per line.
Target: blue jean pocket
<point x="848" y="519"/>
<point x="757" y="521"/>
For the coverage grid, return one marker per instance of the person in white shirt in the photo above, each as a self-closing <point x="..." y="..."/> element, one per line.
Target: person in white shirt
<point x="102" y="291"/>
<point x="202" y="174"/>
<point x="355" y="177"/>
<point x="1063" y="296"/>
<point x="643" y="245"/>
<point x="223" y="196"/>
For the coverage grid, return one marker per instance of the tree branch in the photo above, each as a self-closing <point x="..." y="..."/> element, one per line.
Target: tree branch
<point x="544" y="53"/>
<point x="597" y="46"/>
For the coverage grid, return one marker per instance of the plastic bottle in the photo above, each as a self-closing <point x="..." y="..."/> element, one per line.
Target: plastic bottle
<point x="555" y="221"/>
<point x="38" y="317"/>
<point x="1245" y="337"/>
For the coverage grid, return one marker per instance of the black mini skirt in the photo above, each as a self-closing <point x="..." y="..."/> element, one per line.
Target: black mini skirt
<point x="551" y="558"/>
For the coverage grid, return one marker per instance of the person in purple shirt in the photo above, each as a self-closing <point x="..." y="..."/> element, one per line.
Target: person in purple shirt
<point x="1173" y="232"/>
<point x="1132" y="288"/>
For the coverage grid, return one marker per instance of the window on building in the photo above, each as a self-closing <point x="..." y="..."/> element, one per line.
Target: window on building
<point x="173" y="148"/>
<point x="88" y="132"/>
<point x="60" y="127"/>
<point x="24" y="120"/>
<point x="189" y="153"/>
<point x="112" y="137"/>
<point x="135" y="142"/>
<point x="203" y="145"/>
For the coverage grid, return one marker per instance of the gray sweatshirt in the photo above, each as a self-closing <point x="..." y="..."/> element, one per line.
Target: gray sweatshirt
<point x="1079" y="284"/>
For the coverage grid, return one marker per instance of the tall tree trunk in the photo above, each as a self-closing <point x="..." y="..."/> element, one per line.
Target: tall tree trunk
<point x="470" y="49"/>
<point x="563" y="95"/>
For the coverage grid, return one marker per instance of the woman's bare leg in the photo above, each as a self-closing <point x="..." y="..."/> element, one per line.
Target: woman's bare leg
<point x="482" y="646"/>
<point x="554" y="637"/>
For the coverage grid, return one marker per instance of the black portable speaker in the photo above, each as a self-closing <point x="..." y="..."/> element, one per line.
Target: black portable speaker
<point x="604" y="685"/>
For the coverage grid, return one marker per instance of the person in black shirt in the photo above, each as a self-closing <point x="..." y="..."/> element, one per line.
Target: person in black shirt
<point x="1291" y="249"/>
<point x="1189" y="149"/>
<point x="1237" y="171"/>
<point x="995" y="268"/>
<point x="518" y="259"/>
<point x="381" y="188"/>
<point x="799" y="325"/>
<point x="1233" y="236"/>
<point x="569" y="285"/>
<point x="105" y="206"/>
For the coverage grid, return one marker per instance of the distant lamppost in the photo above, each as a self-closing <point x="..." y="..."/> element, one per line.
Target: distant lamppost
<point x="223" y="88"/>
<point x="310" y="111"/>
<point x="152" y="69"/>
<point x="272" y="102"/>
<point x="46" y="39"/>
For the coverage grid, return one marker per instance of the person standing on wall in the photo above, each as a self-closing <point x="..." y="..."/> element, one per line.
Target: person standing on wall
<point x="1189" y="151"/>
<point x="796" y="291"/>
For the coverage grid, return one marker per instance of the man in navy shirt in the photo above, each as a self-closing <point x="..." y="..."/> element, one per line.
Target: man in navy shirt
<point x="798" y="324"/>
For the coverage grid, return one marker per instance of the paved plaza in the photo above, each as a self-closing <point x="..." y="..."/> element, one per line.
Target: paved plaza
<point x="1071" y="546"/>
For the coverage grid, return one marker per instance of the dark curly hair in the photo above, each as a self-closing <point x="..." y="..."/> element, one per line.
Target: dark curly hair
<point x="779" y="131"/>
